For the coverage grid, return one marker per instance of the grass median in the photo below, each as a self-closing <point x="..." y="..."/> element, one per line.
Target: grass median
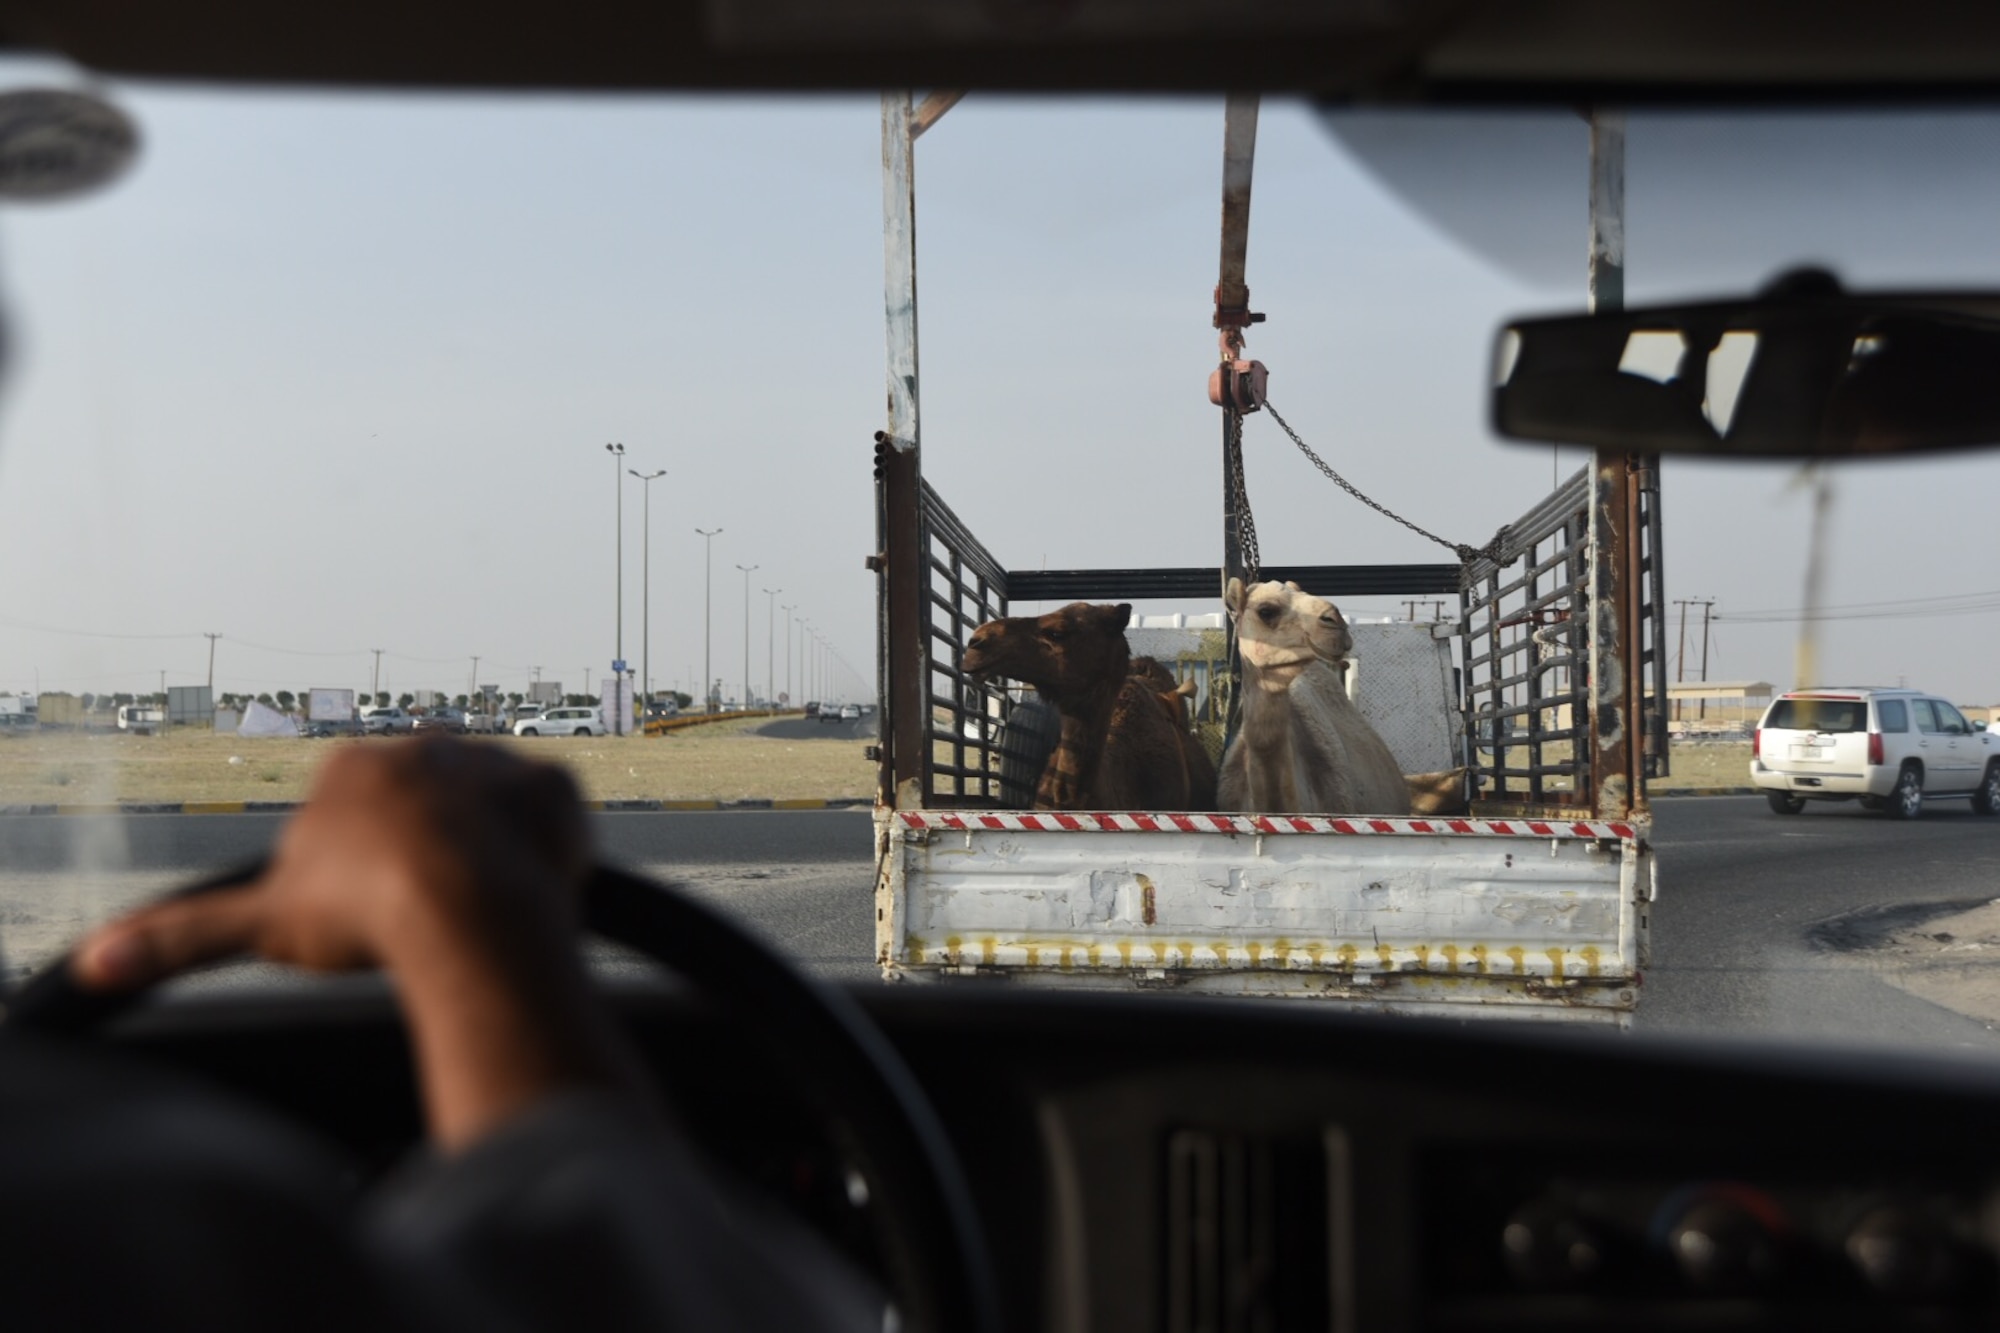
<point x="724" y="761"/>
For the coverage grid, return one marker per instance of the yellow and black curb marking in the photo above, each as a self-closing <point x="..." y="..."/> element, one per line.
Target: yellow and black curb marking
<point x="286" y="807"/>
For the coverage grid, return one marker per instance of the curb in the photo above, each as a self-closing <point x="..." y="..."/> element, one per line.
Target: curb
<point x="1708" y="791"/>
<point x="286" y="807"/>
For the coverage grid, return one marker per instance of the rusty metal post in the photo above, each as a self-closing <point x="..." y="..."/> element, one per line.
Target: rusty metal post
<point x="1232" y="305"/>
<point x="1617" y="677"/>
<point x="903" y="648"/>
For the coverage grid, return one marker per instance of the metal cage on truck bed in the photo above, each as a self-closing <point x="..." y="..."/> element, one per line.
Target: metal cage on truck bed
<point x="949" y="741"/>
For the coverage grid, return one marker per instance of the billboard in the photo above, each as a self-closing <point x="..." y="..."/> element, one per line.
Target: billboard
<point x="329" y="705"/>
<point x="190" y="704"/>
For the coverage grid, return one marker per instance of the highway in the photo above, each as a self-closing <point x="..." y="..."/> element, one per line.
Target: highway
<point x="1741" y="891"/>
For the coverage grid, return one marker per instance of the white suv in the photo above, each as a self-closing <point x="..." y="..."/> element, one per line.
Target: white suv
<point x="1891" y="749"/>
<point x="562" y="722"/>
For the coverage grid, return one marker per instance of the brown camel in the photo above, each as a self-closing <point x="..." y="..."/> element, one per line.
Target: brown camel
<point x="1177" y="697"/>
<point x="1120" y="748"/>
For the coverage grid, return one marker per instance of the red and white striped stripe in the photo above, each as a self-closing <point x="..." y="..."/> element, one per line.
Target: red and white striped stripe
<point x="1059" y="821"/>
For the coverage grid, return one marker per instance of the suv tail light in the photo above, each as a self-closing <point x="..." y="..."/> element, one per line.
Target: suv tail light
<point x="1874" y="747"/>
<point x="1757" y="743"/>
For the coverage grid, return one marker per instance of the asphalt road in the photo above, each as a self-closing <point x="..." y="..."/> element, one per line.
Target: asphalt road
<point x="812" y="729"/>
<point x="1741" y="890"/>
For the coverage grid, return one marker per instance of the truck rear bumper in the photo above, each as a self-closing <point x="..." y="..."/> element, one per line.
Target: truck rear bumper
<point x="1515" y="918"/>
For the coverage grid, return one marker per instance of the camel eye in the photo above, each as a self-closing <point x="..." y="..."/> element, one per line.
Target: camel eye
<point x="1268" y="614"/>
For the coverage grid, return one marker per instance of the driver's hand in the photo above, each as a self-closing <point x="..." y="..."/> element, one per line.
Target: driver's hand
<point x="397" y="843"/>
<point x="454" y="866"/>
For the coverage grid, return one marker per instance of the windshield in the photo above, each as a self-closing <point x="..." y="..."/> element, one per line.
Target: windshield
<point x="273" y="396"/>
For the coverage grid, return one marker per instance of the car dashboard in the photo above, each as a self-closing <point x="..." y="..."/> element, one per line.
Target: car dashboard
<point x="1153" y="1163"/>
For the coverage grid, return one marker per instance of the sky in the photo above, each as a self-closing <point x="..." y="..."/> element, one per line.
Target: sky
<point x="330" y="373"/>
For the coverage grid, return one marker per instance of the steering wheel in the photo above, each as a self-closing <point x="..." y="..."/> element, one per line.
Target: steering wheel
<point x="930" y="1236"/>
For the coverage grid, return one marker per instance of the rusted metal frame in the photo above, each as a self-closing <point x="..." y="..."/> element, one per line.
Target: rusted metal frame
<point x="1239" y="162"/>
<point x="931" y="110"/>
<point x="955" y="575"/>
<point x="950" y="529"/>
<point x="1496" y="699"/>
<point x="905" y="652"/>
<point x="1658" y="750"/>
<point x="1579" y="677"/>
<point x="1616" y="686"/>
<point x="1531" y="680"/>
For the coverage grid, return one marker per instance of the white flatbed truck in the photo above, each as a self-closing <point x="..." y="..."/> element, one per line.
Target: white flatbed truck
<point x="1535" y="904"/>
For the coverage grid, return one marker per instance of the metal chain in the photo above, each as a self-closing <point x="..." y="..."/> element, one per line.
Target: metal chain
<point x="1466" y="554"/>
<point x="1239" y="495"/>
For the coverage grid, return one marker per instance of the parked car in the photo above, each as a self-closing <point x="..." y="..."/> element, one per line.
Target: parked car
<point x="482" y="724"/>
<point x="390" y="721"/>
<point x="1888" y="749"/>
<point x="447" y="720"/>
<point x="850" y="712"/>
<point x="829" y="712"/>
<point x="812" y="708"/>
<point x="562" y="722"/>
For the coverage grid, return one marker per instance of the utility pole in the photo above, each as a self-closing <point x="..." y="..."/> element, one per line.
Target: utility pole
<point x="375" y="691"/>
<point x="211" y="666"/>
<point x="747" y="570"/>
<point x="707" y="617"/>
<point x="770" y="641"/>
<point x="1705" y="607"/>
<point x="1680" y="653"/>
<point x="790" y="619"/>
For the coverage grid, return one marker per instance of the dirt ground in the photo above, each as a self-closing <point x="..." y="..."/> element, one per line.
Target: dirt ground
<point x="1709" y="764"/>
<point x="1948" y="960"/>
<point x="723" y="761"/>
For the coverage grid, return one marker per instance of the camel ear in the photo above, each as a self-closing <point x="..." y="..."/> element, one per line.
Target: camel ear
<point x="1232" y="598"/>
<point x="1119" y="616"/>
<point x="1294" y="587"/>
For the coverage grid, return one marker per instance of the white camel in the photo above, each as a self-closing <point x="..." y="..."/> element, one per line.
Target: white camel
<point x="1301" y="746"/>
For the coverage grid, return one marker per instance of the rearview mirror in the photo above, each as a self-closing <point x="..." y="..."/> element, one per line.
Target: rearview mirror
<point x="1804" y="369"/>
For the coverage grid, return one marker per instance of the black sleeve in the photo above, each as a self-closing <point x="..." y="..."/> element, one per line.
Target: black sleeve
<point x="584" y="1214"/>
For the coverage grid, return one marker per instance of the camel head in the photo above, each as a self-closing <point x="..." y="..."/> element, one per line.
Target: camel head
<point x="1067" y="654"/>
<point x="1281" y="628"/>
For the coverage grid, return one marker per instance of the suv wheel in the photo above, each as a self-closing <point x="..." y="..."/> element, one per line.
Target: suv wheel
<point x="529" y="731"/>
<point x="1986" y="801"/>
<point x="1784" y="803"/>
<point x="1907" y="800"/>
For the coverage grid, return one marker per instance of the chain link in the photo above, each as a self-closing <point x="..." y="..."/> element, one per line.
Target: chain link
<point x="1239" y="495"/>
<point x="1466" y="554"/>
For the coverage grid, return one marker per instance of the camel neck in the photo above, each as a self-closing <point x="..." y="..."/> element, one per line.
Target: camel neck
<point x="1072" y="769"/>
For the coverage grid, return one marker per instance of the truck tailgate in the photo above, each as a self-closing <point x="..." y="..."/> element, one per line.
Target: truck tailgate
<point x="1513" y="917"/>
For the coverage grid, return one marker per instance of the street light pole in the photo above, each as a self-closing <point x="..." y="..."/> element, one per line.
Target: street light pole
<point x="789" y="618"/>
<point x="707" y="616"/>
<point x="646" y="588"/>
<point x="747" y="570"/>
<point x="617" y="452"/>
<point x="770" y="650"/>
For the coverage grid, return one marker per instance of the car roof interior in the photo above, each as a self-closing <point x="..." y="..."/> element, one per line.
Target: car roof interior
<point x="1561" y="52"/>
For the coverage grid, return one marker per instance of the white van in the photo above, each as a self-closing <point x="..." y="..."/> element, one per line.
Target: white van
<point x="1888" y="749"/>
